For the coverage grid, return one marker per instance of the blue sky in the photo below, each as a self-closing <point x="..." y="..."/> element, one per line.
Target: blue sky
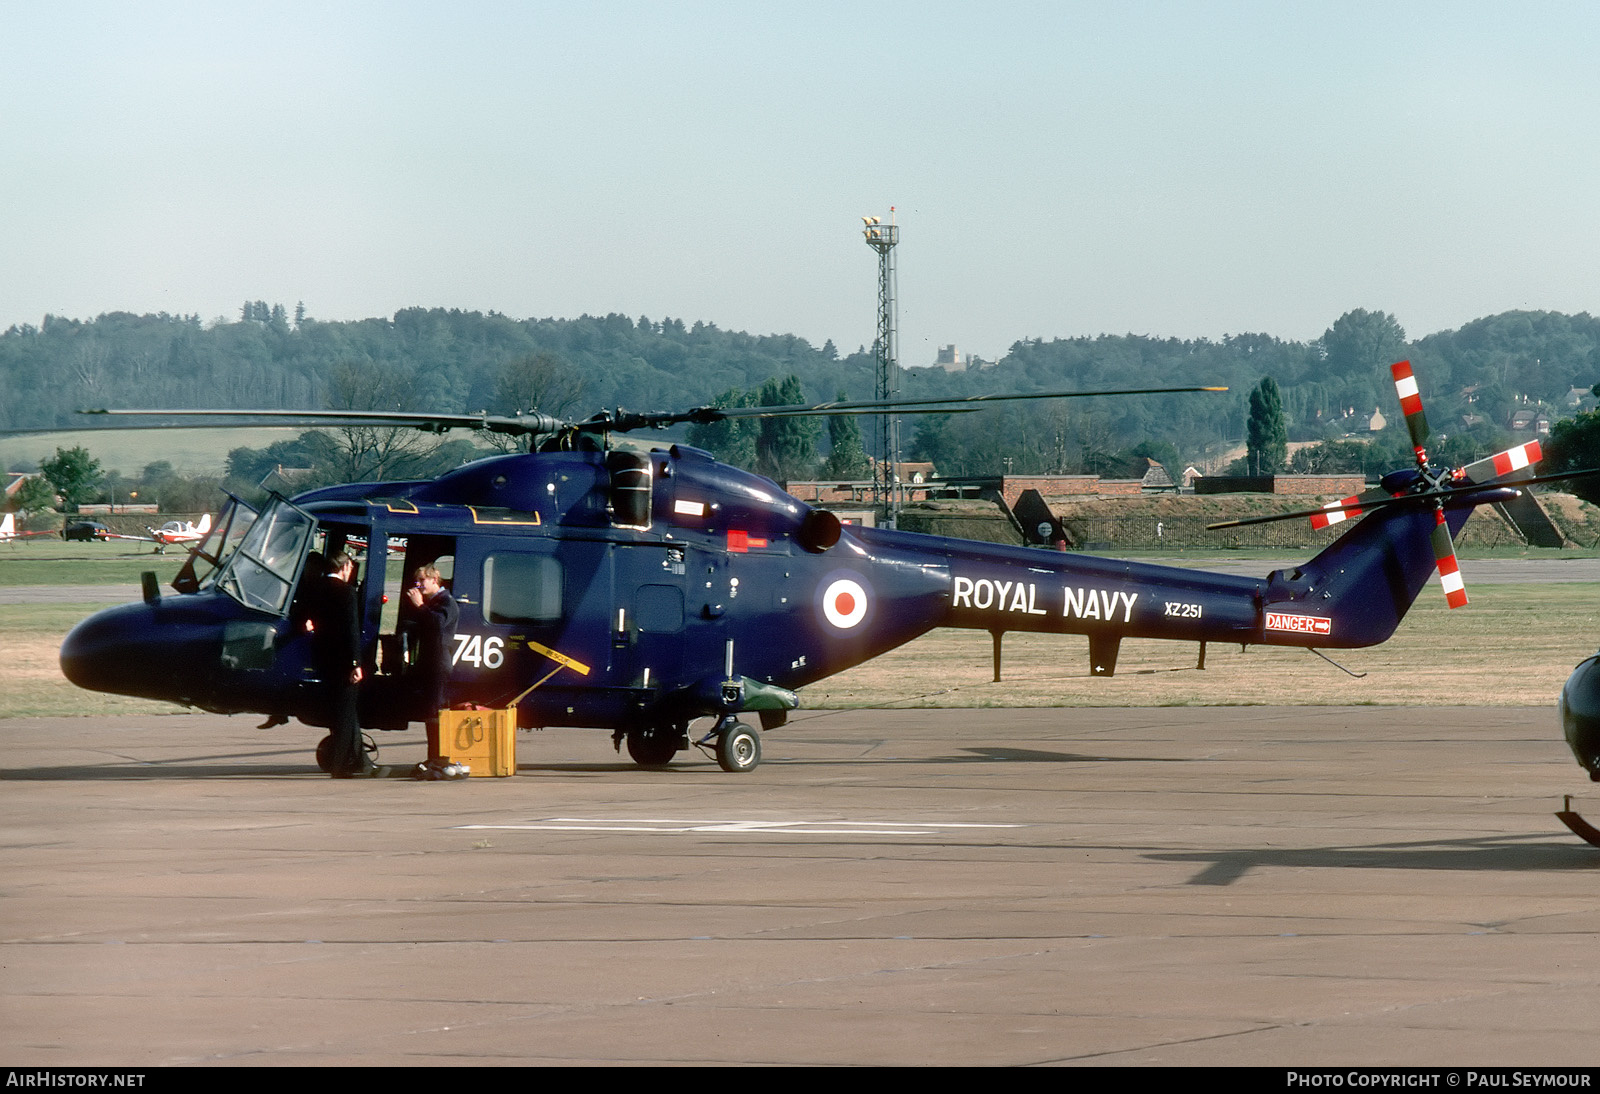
<point x="1056" y="169"/>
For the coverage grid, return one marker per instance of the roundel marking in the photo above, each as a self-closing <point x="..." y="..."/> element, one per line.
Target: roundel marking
<point x="844" y="603"/>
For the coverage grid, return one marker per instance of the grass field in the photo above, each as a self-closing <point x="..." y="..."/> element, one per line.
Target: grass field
<point x="129" y="451"/>
<point x="55" y="562"/>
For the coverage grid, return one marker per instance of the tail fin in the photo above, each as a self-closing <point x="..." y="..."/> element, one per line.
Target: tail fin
<point x="1369" y="576"/>
<point x="8" y="527"/>
<point x="205" y="524"/>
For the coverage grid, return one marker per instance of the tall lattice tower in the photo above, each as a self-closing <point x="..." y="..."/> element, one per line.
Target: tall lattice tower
<point x="882" y="238"/>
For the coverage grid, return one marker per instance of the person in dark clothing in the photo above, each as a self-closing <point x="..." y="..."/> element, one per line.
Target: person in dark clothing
<point x="335" y="627"/>
<point x="433" y="614"/>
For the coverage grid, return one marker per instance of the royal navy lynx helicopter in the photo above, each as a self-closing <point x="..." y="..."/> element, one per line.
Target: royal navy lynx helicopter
<point x="638" y="589"/>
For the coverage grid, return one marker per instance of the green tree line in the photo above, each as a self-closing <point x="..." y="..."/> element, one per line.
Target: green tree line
<point x="466" y="361"/>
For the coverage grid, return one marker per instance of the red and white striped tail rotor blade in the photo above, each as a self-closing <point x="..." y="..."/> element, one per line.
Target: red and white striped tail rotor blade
<point x="1503" y="463"/>
<point x="1348" y="508"/>
<point x="1405" y="385"/>
<point x="1325" y="520"/>
<point x="1444" y="553"/>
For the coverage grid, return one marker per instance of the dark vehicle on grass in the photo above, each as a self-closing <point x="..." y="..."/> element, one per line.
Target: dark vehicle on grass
<point x="85" y="530"/>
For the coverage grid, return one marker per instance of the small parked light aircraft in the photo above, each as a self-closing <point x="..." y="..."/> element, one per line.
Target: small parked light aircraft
<point x="9" y="533"/>
<point x="181" y="532"/>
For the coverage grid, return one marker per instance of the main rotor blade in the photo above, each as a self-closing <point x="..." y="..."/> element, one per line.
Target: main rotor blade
<point x="621" y="421"/>
<point x="953" y="404"/>
<point x="825" y="410"/>
<point x="905" y="406"/>
<point x="436" y="423"/>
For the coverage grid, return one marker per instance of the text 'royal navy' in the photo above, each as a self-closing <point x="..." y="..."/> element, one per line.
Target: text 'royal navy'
<point x="1023" y="597"/>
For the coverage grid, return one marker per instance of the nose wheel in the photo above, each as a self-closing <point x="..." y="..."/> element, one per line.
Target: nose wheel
<point x="325" y="751"/>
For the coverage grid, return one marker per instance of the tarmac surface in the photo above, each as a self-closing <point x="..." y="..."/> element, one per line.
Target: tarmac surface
<point x="1250" y="885"/>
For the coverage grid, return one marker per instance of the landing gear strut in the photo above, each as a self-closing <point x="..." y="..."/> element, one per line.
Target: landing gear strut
<point x="738" y="746"/>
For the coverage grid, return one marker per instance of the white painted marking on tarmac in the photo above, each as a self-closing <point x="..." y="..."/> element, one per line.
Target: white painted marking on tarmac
<point x="735" y="827"/>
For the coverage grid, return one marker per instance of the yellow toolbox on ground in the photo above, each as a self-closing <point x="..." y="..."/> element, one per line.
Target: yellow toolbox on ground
<point x="485" y="740"/>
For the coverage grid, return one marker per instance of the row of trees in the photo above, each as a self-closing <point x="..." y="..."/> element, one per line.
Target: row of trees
<point x="1267" y="444"/>
<point x="455" y="361"/>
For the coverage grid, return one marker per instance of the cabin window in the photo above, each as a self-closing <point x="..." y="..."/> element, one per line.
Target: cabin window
<point x="520" y="588"/>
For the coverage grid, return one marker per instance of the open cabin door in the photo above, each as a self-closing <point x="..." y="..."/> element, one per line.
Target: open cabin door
<point x="395" y="686"/>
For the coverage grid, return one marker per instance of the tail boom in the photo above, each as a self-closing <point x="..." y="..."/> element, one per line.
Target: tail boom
<point x="1353" y="594"/>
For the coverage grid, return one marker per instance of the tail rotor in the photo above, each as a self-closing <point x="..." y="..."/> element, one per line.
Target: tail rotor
<point x="1480" y="482"/>
<point x="1444" y="548"/>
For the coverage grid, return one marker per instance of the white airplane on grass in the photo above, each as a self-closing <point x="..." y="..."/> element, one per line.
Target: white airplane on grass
<point x="174" y="531"/>
<point x="9" y="533"/>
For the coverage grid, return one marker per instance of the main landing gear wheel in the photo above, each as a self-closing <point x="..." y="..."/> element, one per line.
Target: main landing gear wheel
<point x="654" y="746"/>
<point x="325" y="751"/>
<point x="738" y="748"/>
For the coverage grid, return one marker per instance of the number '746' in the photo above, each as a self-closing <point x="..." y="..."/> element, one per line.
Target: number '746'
<point x="487" y="653"/>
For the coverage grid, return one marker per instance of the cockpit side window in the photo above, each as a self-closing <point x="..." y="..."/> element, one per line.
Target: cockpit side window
<point x="208" y="556"/>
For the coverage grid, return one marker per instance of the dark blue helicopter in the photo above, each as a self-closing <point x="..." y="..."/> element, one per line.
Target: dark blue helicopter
<point x="637" y="589"/>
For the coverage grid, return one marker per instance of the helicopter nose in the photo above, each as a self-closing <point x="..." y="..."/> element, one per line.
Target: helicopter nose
<point x="103" y="652"/>
<point x="127" y="650"/>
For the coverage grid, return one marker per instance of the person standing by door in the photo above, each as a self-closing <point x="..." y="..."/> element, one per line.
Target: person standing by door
<point x="335" y="627"/>
<point x="434" y="614"/>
